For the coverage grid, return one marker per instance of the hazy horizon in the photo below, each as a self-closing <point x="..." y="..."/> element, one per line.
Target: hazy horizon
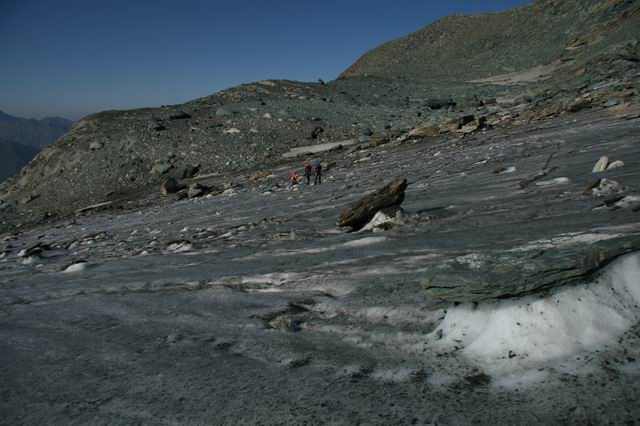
<point x="64" y="59"/>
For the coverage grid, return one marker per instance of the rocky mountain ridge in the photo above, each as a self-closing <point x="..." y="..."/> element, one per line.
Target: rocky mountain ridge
<point x="14" y="156"/>
<point x="461" y="66"/>
<point x="32" y="132"/>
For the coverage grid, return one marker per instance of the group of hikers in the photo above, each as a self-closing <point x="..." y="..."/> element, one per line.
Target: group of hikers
<point x="294" y="179"/>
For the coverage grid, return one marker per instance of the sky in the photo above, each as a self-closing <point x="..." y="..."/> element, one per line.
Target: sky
<point x="70" y="58"/>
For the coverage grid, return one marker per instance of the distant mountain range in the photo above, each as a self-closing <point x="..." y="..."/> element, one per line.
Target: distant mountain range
<point x="21" y="139"/>
<point x="32" y="132"/>
<point x="13" y="157"/>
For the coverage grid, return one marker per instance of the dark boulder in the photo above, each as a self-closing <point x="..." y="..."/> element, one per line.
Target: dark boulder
<point x="170" y="186"/>
<point x="439" y="103"/>
<point x="181" y="115"/>
<point x="316" y="132"/>
<point x="389" y="197"/>
<point x="579" y="105"/>
<point x="187" y="171"/>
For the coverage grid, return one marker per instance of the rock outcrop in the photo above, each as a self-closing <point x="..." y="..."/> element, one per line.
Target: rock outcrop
<point x="503" y="275"/>
<point x="386" y="199"/>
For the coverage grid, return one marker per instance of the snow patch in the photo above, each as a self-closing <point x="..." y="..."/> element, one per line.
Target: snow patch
<point x="393" y="375"/>
<point x="520" y="379"/>
<point x="531" y="331"/>
<point x="441" y="379"/>
<point x="363" y="242"/>
<point x="382" y="221"/>
<point x="568" y="239"/>
<point x="76" y="267"/>
<point x="554" y="182"/>
<point x="179" y="247"/>
<point x="30" y="260"/>
<point x="473" y="260"/>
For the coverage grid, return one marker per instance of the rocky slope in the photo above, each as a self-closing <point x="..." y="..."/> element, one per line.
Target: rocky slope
<point x="460" y="48"/>
<point x="538" y="58"/>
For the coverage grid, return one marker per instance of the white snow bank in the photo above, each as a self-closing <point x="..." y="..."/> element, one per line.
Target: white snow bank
<point x="75" y="267"/>
<point x="363" y="242"/>
<point x="530" y="331"/>
<point x="381" y="221"/>
<point x="314" y="149"/>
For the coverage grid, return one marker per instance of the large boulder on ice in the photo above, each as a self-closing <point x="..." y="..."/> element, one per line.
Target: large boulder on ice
<point x="389" y="197"/>
<point x="532" y="269"/>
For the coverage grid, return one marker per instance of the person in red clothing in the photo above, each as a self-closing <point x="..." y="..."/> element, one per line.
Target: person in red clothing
<point x="294" y="179"/>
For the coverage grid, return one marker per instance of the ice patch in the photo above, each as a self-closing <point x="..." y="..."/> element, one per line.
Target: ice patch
<point x="75" y="267"/>
<point x="520" y="379"/>
<point x="554" y="182"/>
<point x="531" y="331"/>
<point x="441" y="379"/>
<point x="365" y="242"/>
<point x="564" y="240"/>
<point x="474" y="260"/>
<point x="628" y="202"/>
<point x="30" y="260"/>
<point x="179" y="247"/>
<point x="382" y="221"/>
<point x="393" y="375"/>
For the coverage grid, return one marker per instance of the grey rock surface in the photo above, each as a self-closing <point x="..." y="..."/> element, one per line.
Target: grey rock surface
<point x="119" y="305"/>
<point x="254" y="308"/>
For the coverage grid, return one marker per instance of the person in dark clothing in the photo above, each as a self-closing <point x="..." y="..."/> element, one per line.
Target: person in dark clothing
<point x="307" y="172"/>
<point x="318" y="171"/>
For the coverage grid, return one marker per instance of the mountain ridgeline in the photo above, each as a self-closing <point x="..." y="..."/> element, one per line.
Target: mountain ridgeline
<point x="541" y="56"/>
<point x="13" y="157"/>
<point x="21" y="139"/>
<point x="32" y="132"/>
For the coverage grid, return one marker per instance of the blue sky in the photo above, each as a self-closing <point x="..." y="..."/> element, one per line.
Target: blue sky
<point x="71" y="58"/>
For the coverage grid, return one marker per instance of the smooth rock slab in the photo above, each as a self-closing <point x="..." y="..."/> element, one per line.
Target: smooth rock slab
<point x="503" y="275"/>
<point x="601" y="165"/>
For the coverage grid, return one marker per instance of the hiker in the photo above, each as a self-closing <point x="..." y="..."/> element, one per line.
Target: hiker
<point x="318" y="170"/>
<point x="307" y="172"/>
<point x="293" y="178"/>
